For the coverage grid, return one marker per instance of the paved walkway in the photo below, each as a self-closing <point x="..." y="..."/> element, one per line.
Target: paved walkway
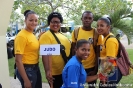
<point x="125" y="43"/>
<point x="16" y="84"/>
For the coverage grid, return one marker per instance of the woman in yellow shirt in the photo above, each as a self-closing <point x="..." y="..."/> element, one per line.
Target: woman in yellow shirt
<point x="27" y="53"/>
<point x="54" y="21"/>
<point x="109" y="51"/>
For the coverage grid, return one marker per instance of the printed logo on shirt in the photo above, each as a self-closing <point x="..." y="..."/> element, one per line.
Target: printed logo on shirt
<point x="101" y="47"/>
<point x="17" y="51"/>
<point x="90" y="40"/>
<point x="73" y="82"/>
<point x="81" y="84"/>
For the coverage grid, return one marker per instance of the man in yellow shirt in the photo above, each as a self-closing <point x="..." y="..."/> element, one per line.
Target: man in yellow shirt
<point x="88" y="33"/>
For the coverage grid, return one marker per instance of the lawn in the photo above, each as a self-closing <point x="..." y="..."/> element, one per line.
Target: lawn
<point x="125" y="80"/>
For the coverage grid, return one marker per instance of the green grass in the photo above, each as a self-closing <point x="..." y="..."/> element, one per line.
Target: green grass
<point x="130" y="53"/>
<point x="125" y="79"/>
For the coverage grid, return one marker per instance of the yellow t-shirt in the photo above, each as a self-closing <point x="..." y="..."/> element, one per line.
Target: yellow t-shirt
<point x="57" y="60"/>
<point x="90" y="61"/>
<point x="27" y="45"/>
<point x="111" y="49"/>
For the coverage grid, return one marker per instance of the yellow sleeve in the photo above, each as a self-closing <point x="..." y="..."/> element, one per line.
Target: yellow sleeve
<point x="73" y="38"/>
<point x="20" y="43"/>
<point x="100" y="40"/>
<point x="44" y="39"/>
<point x="111" y="47"/>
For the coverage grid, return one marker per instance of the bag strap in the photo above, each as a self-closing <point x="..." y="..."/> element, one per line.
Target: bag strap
<point x="76" y="31"/>
<point x="58" y="41"/>
<point x="121" y="48"/>
<point x="112" y="36"/>
<point x="108" y="38"/>
<point x="95" y="38"/>
<point x="63" y="53"/>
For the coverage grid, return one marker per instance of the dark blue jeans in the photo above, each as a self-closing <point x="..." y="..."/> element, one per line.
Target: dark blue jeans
<point x="34" y="76"/>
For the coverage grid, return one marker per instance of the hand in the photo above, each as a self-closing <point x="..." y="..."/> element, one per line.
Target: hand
<point x="102" y="77"/>
<point x="27" y="84"/>
<point x="131" y="66"/>
<point x="92" y="73"/>
<point x="49" y="77"/>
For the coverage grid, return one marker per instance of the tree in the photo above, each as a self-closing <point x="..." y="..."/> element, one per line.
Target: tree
<point x="45" y="7"/>
<point x="118" y="10"/>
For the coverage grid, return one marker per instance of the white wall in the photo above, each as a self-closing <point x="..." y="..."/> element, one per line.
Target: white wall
<point x="5" y="12"/>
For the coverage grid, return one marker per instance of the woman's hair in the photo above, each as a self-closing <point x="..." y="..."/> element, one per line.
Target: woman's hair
<point x="54" y="14"/>
<point x="106" y="20"/>
<point x="81" y="42"/>
<point x="27" y="12"/>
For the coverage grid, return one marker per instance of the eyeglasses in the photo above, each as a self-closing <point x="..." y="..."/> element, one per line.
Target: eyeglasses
<point x="55" y="22"/>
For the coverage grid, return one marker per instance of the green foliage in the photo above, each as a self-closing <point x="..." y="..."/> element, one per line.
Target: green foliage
<point x="118" y="10"/>
<point x="8" y="29"/>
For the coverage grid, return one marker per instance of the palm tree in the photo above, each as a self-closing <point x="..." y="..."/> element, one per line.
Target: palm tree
<point x="119" y="21"/>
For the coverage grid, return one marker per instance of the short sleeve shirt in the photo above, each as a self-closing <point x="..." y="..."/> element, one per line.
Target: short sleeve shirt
<point x="74" y="75"/>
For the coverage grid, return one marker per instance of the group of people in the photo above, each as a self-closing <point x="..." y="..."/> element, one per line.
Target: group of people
<point x="82" y="66"/>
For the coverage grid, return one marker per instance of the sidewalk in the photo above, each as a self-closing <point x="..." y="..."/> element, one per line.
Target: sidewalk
<point x="16" y="84"/>
<point x="124" y="41"/>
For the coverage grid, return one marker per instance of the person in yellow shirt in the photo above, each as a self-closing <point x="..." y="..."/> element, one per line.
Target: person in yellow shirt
<point x="109" y="50"/>
<point x="88" y="33"/>
<point x="26" y="50"/>
<point x="54" y="21"/>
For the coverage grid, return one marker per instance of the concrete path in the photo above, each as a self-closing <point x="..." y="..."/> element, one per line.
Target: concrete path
<point x="16" y="84"/>
<point x="125" y="43"/>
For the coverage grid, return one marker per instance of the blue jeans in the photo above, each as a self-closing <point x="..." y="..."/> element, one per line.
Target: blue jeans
<point x="34" y="76"/>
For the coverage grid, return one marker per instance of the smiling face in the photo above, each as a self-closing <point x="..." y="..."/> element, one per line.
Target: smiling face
<point x="103" y="28"/>
<point x="87" y="20"/>
<point x="55" y="24"/>
<point x="83" y="51"/>
<point x="31" y="22"/>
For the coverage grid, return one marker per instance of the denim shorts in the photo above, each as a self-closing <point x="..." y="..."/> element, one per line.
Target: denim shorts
<point x="34" y="76"/>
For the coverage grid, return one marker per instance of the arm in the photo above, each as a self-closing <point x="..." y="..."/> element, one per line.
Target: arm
<point x="19" y="64"/>
<point x="73" y="48"/>
<point x="73" y="44"/>
<point x="97" y="52"/>
<point x="91" y="78"/>
<point x="97" y="59"/>
<point x="73" y="75"/>
<point x="45" y="60"/>
<point x="20" y="43"/>
<point x="131" y="65"/>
